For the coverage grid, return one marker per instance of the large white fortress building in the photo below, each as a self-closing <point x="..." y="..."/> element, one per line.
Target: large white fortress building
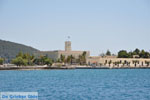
<point x="55" y="55"/>
<point x="109" y="61"/>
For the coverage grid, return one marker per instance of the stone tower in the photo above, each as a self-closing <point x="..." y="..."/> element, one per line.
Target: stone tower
<point x="68" y="46"/>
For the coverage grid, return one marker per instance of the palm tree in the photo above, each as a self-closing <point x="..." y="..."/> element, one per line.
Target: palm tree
<point x="128" y="64"/>
<point x="110" y="62"/>
<point x="142" y="63"/>
<point x="82" y="58"/>
<point x="135" y="62"/>
<point x="118" y="62"/>
<point x="31" y="60"/>
<point x="147" y="63"/>
<point x="125" y="63"/>
<point x="105" y="62"/>
<point x="68" y="59"/>
<point x="62" y="58"/>
<point x="71" y="57"/>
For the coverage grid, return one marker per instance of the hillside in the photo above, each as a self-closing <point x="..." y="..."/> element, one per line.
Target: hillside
<point x="9" y="50"/>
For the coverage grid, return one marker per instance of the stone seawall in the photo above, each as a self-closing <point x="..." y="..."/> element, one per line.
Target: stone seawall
<point x="69" y="67"/>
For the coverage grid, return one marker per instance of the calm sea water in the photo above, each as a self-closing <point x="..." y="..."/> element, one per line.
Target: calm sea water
<point x="84" y="84"/>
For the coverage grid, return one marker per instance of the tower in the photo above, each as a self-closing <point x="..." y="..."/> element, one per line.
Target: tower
<point x="68" y="46"/>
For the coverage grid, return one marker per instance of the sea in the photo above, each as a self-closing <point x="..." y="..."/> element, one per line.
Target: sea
<point x="79" y="84"/>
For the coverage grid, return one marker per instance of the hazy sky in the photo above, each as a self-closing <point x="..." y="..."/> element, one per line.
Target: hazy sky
<point x="94" y="25"/>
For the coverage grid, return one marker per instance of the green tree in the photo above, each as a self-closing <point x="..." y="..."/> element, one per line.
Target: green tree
<point x="48" y="61"/>
<point x="147" y="55"/>
<point x="130" y="54"/>
<point x="1" y="61"/>
<point x="62" y="58"/>
<point x="37" y="61"/>
<point x="20" y="54"/>
<point x="82" y="58"/>
<point x="69" y="59"/>
<point x="58" y="60"/>
<point x="123" y="54"/>
<point x="135" y="62"/>
<point x="29" y="58"/>
<point x="72" y="58"/>
<point x="137" y="51"/>
<point x="108" y="53"/>
<point x="110" y="62"/>
<point x="43" y="60"/>
<point x="19" y="61"/>
<point x="147" y="63"/>
<point x="142" y="54"/>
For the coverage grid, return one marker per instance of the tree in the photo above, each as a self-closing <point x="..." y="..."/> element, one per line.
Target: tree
<point x="142" y="54"/>
<point x="102" y="55"/>
<point x="147" y="63"/>
<point x="135" y="62"/>
<point x="108" y="53"/>
<point x="23" y="59"/>
<point x="1" y="61"/>
<point x="62" y="58"/>
<point x="130" y="54"/>
<point x="109" y="62"/>
<point x="58" y="60"/>
<point x="19" y="61"/>
<point x="117" y="63"/>
<point x="123" y="54"/>
<point x="137" y="51"/>
<point x="82" y="58"/>
<point x="43" y="60"/>
<point x="146" y="55"/>
<point x="20" y="54"/>
<point x="106" y="62"/>
<point x="48" y="61"/>
<point x="71" y="57"/>
<point x="27" y="59"/>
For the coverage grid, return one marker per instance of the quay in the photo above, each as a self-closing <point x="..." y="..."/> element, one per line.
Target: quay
<point x="45" y="67"/>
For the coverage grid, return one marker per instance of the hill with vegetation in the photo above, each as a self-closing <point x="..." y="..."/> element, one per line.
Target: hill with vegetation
<point x="9" y="50"/>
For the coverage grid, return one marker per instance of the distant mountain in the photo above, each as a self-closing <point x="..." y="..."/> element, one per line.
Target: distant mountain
<point x="9" y="50"/>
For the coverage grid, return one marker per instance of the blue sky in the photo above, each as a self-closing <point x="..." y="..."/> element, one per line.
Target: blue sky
<point x="94" y="25"/>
